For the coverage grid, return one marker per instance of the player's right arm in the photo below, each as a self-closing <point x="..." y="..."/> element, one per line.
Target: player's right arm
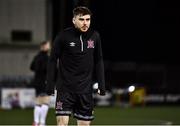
<point x="55" y="54"/>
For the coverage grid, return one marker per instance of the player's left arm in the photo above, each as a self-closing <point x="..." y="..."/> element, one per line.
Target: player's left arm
<point x="99" y="66"/>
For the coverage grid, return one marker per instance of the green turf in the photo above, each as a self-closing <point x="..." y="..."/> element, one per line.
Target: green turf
<point x="103" y="116"/>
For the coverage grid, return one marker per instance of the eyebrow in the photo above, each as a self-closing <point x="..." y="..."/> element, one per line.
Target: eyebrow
<point x="84" y="19"/>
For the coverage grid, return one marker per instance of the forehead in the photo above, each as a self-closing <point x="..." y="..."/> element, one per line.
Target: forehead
<point x="83" y="16"/>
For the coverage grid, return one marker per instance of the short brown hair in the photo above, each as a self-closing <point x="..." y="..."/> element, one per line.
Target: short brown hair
<point x="81" y="10"/>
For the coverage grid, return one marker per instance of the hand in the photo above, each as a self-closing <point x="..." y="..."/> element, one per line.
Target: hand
<point x="98" y="91"/>
<point x="101" y="92"/>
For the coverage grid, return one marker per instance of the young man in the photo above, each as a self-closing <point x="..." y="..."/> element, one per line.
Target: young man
<point x="77" y="50"/>
<point x="39" y="67"/>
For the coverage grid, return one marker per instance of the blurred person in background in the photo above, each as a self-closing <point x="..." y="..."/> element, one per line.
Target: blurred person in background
<point x="39" y="67"/>
<point x="77" y="53"/>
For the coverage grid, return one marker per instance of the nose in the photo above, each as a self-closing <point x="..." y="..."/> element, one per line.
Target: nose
<point x="85" y="22"/>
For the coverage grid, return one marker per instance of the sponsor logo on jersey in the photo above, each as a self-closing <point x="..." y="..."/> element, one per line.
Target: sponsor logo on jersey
<point x="72" y="44"/>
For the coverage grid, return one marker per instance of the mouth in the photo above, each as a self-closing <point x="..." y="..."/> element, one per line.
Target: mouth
<point x="84" y="28"/>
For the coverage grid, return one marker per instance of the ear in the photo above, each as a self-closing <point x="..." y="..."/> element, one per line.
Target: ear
<point x="73" y="20"/>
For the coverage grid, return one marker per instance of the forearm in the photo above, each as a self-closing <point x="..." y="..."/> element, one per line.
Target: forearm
<point x="100" y="76"/>
<point x="51" y="75"/>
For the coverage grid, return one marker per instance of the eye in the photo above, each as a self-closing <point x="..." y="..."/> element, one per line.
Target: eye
<point x="88" y="19"/>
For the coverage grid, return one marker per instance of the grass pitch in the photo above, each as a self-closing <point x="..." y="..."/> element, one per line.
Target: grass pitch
<point x="159" y="115"/>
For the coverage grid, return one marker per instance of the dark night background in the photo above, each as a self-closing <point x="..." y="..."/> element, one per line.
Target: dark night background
<point x="141" y="31"/>
<point x="136" y="32"/>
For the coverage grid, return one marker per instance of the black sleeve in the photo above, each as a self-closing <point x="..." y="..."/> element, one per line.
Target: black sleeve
<point x="52" y="64"/>
<point x="39" y="64"/>
<point x="32" y="65"/>
<point x="99" y="66"/>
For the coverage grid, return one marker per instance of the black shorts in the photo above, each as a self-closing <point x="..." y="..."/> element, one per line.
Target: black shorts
<point x="80" y="105"/>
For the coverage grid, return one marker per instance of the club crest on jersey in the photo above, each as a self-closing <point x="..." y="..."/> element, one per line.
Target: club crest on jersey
<point x="90" y="44"/>
<point x="59" y="105"/>
<point x="72" y="44"/>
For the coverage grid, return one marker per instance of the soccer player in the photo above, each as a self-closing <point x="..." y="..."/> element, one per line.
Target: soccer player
<point x="39" y="67"/>
<point x="77" y="53"/>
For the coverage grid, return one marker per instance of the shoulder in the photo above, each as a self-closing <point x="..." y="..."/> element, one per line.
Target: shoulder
<point x="37" y="55"/>
<point x="96" y="34"/>
<point x="41" y="55"/>
<point x="65" y="32"/>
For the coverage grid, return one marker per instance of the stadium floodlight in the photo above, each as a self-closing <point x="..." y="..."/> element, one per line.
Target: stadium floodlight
<point x="131" y="88"/>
